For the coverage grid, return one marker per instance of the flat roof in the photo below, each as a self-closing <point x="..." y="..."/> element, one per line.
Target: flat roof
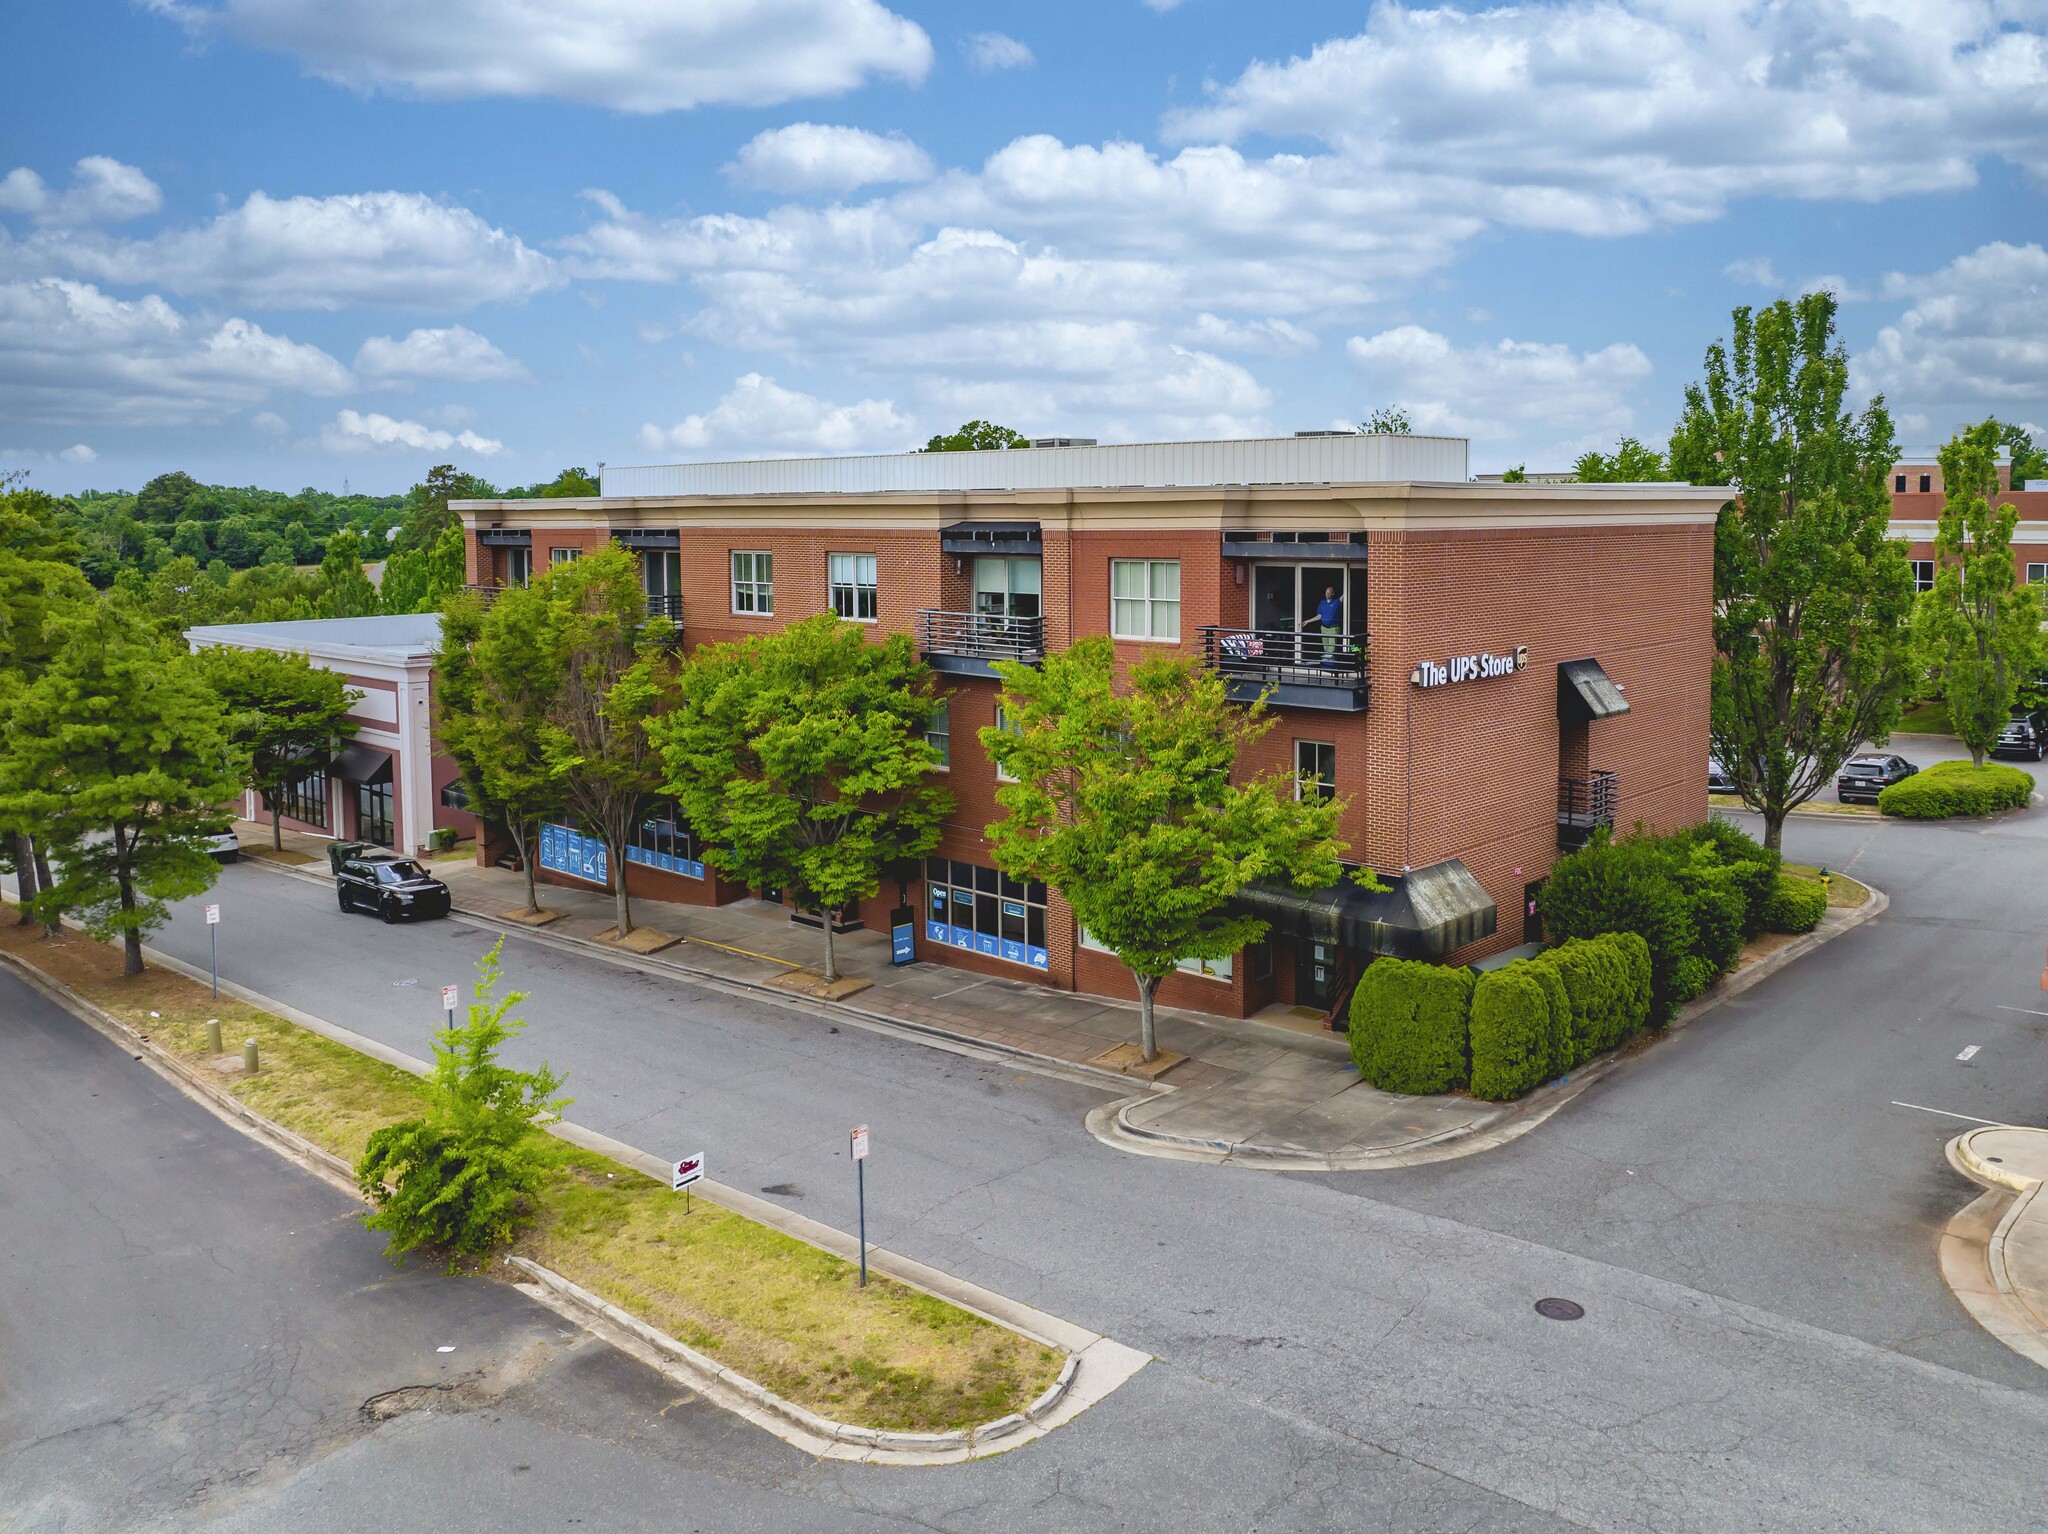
<point x="392" y="634"/>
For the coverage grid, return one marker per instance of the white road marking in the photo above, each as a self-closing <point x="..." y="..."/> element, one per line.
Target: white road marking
<point x="1968" y="1051"/>
<point x="1944" y="1113"/>
<point x="2030" y="1011"/>
<point x="444" y="1350"/>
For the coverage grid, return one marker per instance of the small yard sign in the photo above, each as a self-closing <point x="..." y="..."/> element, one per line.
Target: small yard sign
<point x="685" y="1172"/>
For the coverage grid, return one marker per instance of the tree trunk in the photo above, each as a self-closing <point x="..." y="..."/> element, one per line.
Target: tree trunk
<point x="621" y="902"/>
<point x="1148" y="1032"/>
<point x="131" y="940"/>
<point x="277" y="823"/>
<point x="1976" y="755"/>
<point x="831" y="954"/>
<point x="24" y="875"/>
<point x="1774" y="831"/>
<point x="52" y="918"/>
<point x="526" y="862"/>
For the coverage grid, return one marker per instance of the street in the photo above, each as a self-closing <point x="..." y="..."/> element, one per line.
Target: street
<point x="1746" y="1215"/>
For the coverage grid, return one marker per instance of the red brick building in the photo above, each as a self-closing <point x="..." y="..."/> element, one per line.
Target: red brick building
<point x="1483" y="672"/>
<point x="1917" y="494"/>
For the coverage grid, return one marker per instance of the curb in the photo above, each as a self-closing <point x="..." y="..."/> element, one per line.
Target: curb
<point x="873" y="1445"/>
<point x="1976" y="1245"/>
<point x="930" y="1034"/>
<point x="1111" y="1124"/>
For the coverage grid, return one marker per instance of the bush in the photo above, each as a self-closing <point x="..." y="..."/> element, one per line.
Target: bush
<point x="1692" y="976"/>
<point x="1408" y="1026"/>
<point x="462" y="1178"/>
<point x="1626" y="886"/>
<point x="1797" y="905"/>
<point x="1515" y="1030"/>
<point x="1608" y="1000"/>
<point x="1718" y="903"/>
<point x="1756" y="866"/>
<point x="1957" y="788"/>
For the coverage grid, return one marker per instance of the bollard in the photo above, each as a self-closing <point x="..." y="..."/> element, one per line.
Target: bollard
<point x="248" y="1057"/>
<point x="213" y="1044"/>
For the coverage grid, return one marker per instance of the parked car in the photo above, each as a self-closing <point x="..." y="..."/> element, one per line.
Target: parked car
<point x="223" y="845"/>
<point x="2025" y="735"/>
<point x="1863" y="778"/>
<point x="1718" y="781"/>
<point x="390" y="885"/>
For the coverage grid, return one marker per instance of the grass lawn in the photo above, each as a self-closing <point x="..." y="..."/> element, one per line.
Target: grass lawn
<point x="1929" y="718"/>
<point x="1812" y="806"/>
<point x="1843" y="891"/>
<point x="765" y="1304"/>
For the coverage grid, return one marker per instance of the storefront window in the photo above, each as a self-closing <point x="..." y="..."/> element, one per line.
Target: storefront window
<point x="663" y="840"/>
<point x="373" y="813"/>
<point x="985" y="911"/>
<point x="304" y="801"/>
<point x="1208" y="969"/>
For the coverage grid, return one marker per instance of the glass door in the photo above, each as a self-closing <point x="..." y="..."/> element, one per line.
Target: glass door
<point x="1315" y="980"/>
<point x="1313" y="603"/>
<point x="373" y="813"/>
<point x="661" y="576"/>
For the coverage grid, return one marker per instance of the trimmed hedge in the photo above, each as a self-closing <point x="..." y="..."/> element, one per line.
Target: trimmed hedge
<point x="1513" y="1032"/>
<point x="1408" y="1026"/>
<point x="1957" y="788"/>
<point x="1797" y="905"/>
<point x="1607" y="984"/>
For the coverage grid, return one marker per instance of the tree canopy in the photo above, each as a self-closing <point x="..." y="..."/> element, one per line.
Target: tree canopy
<point x="1386" y="421"/>
<point x="976" y="436"/>
<point x="285" y="716"/>
<point x="1631" y="463"/>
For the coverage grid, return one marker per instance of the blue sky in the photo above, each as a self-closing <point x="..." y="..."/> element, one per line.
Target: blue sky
<point x="291" y="242"/>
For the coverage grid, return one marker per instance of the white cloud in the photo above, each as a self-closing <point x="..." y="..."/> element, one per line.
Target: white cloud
<point x="270" y="423"/>
<point x="1976" y="333"/>
<point x="102" y="191"/>
<point x="990" y="51"/>
<point x="758" y="415"/>
<point x="816" y="157"/>
<point x="1500" y="391"/>
<point x="70" y="353"/>
<point x="78" y="452"/>
<point x="1752" y="272"/>
<point x="376" y="249"/>
<point x="455" y="354"/>
<point x="624" y="55"/>
<point x="1271" y="338"/>
<point x="1612" y="116"/>
<point x="352" y="432"/>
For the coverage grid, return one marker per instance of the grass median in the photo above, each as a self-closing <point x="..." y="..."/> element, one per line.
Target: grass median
<point x="773" y="1308"/>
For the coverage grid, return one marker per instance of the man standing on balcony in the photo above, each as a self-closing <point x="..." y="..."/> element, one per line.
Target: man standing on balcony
<point x="1330" y="619"/>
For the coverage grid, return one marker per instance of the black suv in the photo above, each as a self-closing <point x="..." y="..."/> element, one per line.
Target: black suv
<point x="1864" y="777"/>
<point x="2025" y="735"/>
<point x="390" y="885"/>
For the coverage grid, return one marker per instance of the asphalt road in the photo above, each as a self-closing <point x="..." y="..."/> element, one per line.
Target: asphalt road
<point x="1747" y="1218"/>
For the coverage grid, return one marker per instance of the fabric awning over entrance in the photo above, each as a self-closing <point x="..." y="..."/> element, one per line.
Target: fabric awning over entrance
<point x="363" y="764"/>
<point x="1423" y="914"/>
<point x="1584" y="691"/>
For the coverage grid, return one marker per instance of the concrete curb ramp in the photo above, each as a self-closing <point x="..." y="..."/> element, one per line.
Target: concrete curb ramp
<point x="1994" y="1253"/>
<point x="1094" y="1366"/>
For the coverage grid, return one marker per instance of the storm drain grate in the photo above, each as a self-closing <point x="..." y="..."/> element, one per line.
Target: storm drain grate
<point x="1560" y="1310"/>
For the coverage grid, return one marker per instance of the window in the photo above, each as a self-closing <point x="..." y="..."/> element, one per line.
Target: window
<point x="304" y="801"/>
<point x="2037" y="575"/>
<point x="1923" y="575"/>
<point x="938" y="734"/>
<point x="563" y="556"/>
<point x="1208" y="969"/>
<point x="753" y="582"/>
<point x="967" y="906"/>
<point x="1144" y="598"/>
<point x="1006" y="586"/>
<point x="1003" y="724"/>
<point x="454" y="796"/>
<point x="853" y="588"/>
<point x="661" y="577"/>
<point x="1926" y="483"/>
<point x="400" y="871"/>
<point x="519" y="566"/>
<point x="663" y="840"/>
<point x="1315" y="769"/>
<point x="373" y="813"/>
<point x="1899" y="482"/>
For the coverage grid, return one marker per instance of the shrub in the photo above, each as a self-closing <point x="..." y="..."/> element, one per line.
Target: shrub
<point x="1639" y="996"/>
<point x="1755" y="865"/>
<point x="1692" y="975"/>
<point x="1607" y="1000"/>
<point x="1718" y="904"/>
<point x="463" y="1177"/>
<point x="1626" y="886"/>
<point x="1797" y="905"/>
<point x="1957" y="788"/>
<point x="1515" y="1029"/>
<point x="1408" y="1026"/>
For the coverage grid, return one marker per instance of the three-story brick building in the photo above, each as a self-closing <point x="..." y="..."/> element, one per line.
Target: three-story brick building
<point x="1483" y="672"/>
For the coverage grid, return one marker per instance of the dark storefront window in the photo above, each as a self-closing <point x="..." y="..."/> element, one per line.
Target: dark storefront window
<point x="373" y="813"/>
<point x="305" y="801"/>
<point x="663" y="840"/>
<point x="985" y="911"/>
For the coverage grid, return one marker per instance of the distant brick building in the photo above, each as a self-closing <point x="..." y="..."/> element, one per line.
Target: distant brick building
<point x="1483" y="671"/>
<point x="1917" y="494"/>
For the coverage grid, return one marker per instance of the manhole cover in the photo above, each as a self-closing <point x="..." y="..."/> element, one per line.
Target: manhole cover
<point x="1560" y="1310"/>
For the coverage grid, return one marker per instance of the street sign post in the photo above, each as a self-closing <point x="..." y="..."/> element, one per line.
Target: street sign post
<point x="213" y="943"/>
<point x="450" y="996"/>
<point x="682" y="1174"/>
<point x="860" y="1184"/>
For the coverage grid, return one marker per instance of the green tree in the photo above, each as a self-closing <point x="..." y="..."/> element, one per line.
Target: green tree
<point x="2029" y="461"/>
<point x="464" y="1175"/>
<point x="286" y="717"/>
<point x="1123" y="802"/>
<point x="188" y="540"/>
<point x="162" y="501"/>
<point x="237" y="540"/>
<point x="617" y="671"/>
<point x="568" y="483"/>
<point x="1386" y="421"/>
<point x="422" y="580"/>
<point x="1811" y="595"/>
<point x="800" y="761"/>
<point x="345" y="591"/>
<point x="1978" y="628"/>
<point x="976" y="436"/>
<point x="120" y="750"/>
<point x="1518" y="475"/>
<point x="1631" y="463"/>
<point x="427" y="514"/>
<point x="495" y="680"/>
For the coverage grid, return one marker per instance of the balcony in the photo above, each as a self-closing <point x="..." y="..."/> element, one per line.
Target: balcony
<point x="665" y="604"/>
<point x="1585" y="805"/>
<point x="966" y="644"/>
<point x="484" y="594"/>
<point x="1290" y="668"/>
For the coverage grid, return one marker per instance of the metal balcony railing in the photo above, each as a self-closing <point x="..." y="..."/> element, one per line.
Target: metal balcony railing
<point x="1584" y="805"/>
<point x="485" y="594"/>
<point x="665" y="604"/>
<point x="980" y="636"/>
<point x="1286" y="658"/>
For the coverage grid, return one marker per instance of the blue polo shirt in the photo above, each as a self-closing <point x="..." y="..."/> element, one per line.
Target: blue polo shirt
<point x="1330" y="612"/>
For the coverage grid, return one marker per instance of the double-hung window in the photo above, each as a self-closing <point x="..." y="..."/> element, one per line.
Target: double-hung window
<point x="853" y="589"/>
<point x="753" y="582"/>
<point x="1315" y="769"/>
<point x="563" y="556"/>
<point x="939" y="733"/>
<point x="1923" y="575"/>
<point x="1003" y="723"/>
<point x="2037" y="575"/>
<point x="1144" y="598"/>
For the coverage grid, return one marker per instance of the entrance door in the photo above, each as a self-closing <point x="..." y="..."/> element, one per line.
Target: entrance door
<point x="1532" y="924"/>
<point x="1287" y="599"/>
<point x="1315" y="981"/>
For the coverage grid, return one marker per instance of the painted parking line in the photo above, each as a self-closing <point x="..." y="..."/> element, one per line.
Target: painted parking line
<point x="2030" y="1011"/>
<point x="1968" y="1054"/>
<point x="1967" y="1118"/>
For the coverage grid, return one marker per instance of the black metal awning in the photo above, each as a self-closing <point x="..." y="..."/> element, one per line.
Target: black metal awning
<point x="991" y="538"/>
<point x="505" y="537"/>
<point x="363" y="764"/>
<point x="640" y="538"/>
<point x="1584" y="692"/>
<point x="1422" y="914"/>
